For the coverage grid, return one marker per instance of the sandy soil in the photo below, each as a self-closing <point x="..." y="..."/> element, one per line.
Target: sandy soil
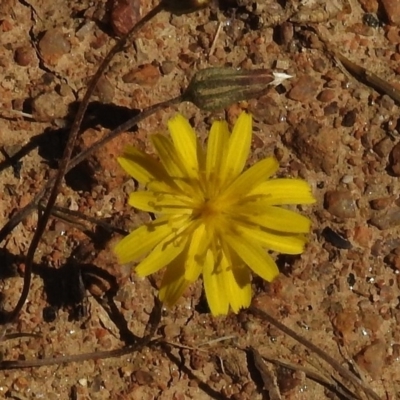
<point x="325" y="125"/>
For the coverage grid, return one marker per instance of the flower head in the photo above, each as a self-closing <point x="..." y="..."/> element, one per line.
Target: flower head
<point x="214" y="219"/>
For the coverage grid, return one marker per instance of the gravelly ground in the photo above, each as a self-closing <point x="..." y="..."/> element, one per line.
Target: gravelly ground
<point x="324" y="125"/>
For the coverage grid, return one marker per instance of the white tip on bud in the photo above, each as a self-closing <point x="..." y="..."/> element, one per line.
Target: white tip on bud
<point x="279" y="78"/>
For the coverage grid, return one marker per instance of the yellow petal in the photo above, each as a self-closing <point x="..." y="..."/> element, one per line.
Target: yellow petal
<point x="185" y="142"/>
<point x="144" y="168"/>
<point x="252" y="177"/>
<point x="238" y="148"/>
<point x="237" y="282"/>
<point x="284" y="191"/>
<point x="280" y="242"/>
<point x="161" y="203"/>
<point x="174" y="167"/>
<point x="239" y="288"/>
<point x="201" y="157"/>
<point x="272" y="217"/>
<point x="142" y="240"/>
<point x="216" y="157"/>
<point x="164" y="253"/>
<point x="253" y="255"/>
<point x="168" y="156"/>
<point x="196" y="253"/>
<point x="174" y="283"/>
<point x="218" y="140"/>
<point x="214" y="286"/>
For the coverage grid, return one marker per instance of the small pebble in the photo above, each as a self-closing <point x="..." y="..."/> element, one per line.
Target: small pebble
<point x="369" y="6"/>
<point x="267" y="110"/>
<point x="65" y="91"/>
<point x="146" y="74"/>
<point x="312" y="143"/>
<point x="20" y="383"/>
<point x="304" y="89"/>
<point x="331" y="109"/>
<point x="85" y="30"/>
<point x="105" y="90"/>
<point x="373" y="358"/>
<point x="83" y="382"/>
<point x="344" y="323"/>
<point x="335" y="238"/>
<point x="167" y="67"/>
<point x="340" y="203"/>
<point x="171" y="330"/>
<point x="24" y="56"/>
<point x="319" y="65"/>
<point x="387" y="219"/>
<point x="124" y="15"/>
<point x="394" y="261"/>
<point x="286" y="33"/>
<point x="346" y="179"/>
<point x="143" y="377"/>
<point x="383" y="147"/>
<point x="393" y="34"/>
<point x="392" y="9"/>
<point x="49" y="314"/>
<point x="326" y="96"/>
<point x="53" y="45"/>
<point x="48" y="107"/>
<point x="395" y="159"/>
<point x="197" y="361"/>
<point x="380" y="203"/>
<point x="349" y="118"/>
<point x="371" y="20"/>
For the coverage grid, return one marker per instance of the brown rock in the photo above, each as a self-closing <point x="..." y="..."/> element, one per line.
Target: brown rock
<point x="381" y="203"/>
<point x="143" y="377"/>
<point x="369" y="6"/>
<point x="313" y="144"/>
<point x="386" y="220"/>
<point x="340" y="203"/>
<point x="267" y="110"/>
<point x="394" y="261"/>
<point x="286" y="33"/>
<point x="146" y="74"/>
<point x="24" y="56"/>
<point x="326" y="95"/>
<point x="344" y="323"/>
<point x="362" y="235"/>
<point x="304" y="89"/>
<point x="371" y="321"/>
<point x="124" y="15"/>
<point x="372" y="358"/>
<point x="167" y="67"/>
<point x="393" y="34"/>
<point x="48" y="107"/>
<point x="395" y="160"/>
<point x="53" y="45"/>
<point x="349" y="119"/>
<point x="105" y="90"/>
<point x="171" y="330"/>
<point x="392" y="9"/>
<point x="383" y="147"/>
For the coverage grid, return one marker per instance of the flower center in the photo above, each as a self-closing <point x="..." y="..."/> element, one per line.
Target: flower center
<point x="209" y="209"/>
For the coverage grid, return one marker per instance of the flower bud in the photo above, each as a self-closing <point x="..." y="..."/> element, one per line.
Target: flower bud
<point x="184" y="6"/>
<point x="214" y="88"/>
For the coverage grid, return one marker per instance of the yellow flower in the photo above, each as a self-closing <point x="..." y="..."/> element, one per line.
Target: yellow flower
<point x="213" y="219"/>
